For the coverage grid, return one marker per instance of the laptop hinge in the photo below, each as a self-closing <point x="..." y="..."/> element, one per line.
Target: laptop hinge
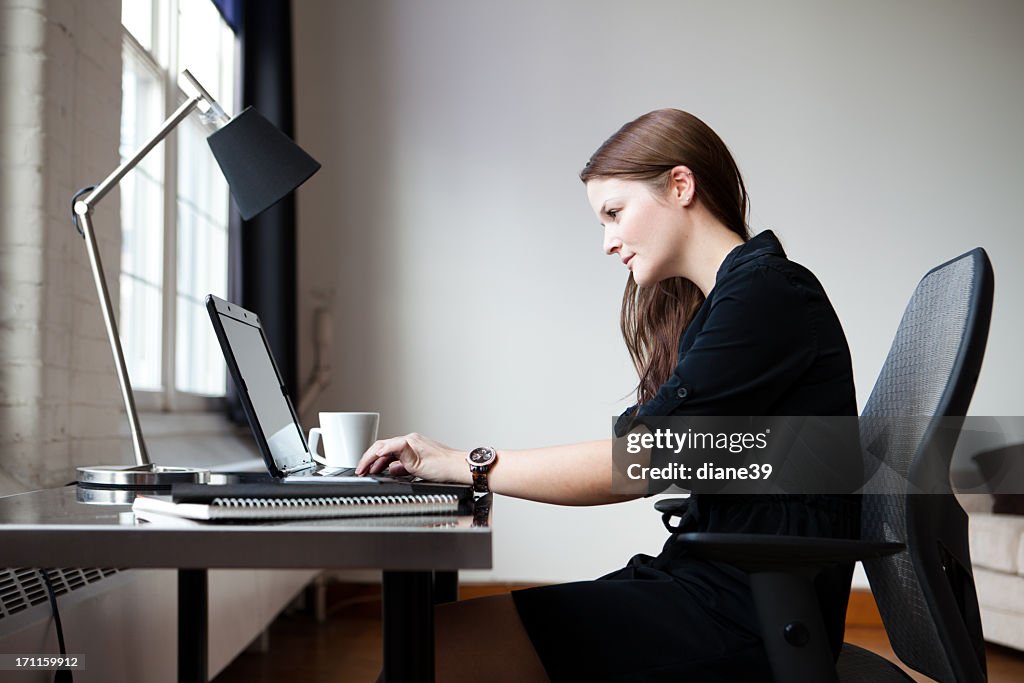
<point x="308" y="467"/>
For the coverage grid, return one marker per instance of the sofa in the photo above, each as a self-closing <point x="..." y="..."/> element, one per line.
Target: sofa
<point x="997" y="556"/>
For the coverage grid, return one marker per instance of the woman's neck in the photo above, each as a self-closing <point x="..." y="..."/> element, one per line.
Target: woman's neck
<point x="708" y="245"/>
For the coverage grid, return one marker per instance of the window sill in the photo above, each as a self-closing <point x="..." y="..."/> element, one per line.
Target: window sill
<point x="177" y="402"/>
<point x="204" y="440"/>
<point x="162" y="424"/>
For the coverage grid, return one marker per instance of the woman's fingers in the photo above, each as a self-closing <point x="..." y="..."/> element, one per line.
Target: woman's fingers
<point x="368" y="458"/>
<point x="397" y="469"/>
<point x="381" y="463"/>
<point x="380" y="455"/>
<point x="371" y="456"/>
<point x="400" y="455"/>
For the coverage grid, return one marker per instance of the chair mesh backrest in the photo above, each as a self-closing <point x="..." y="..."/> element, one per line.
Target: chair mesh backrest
<point x="916" y="380"/>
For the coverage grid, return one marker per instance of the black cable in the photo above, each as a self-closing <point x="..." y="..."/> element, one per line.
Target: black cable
<point x="74" y="200"/>
<point x="61" y="675"/>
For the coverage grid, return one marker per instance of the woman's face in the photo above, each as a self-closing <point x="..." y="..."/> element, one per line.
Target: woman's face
<point x="646" y="230"/>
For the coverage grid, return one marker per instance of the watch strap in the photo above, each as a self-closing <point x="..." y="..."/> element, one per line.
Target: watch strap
<point x="482" y="510"/>
<point x="480" y="480"/>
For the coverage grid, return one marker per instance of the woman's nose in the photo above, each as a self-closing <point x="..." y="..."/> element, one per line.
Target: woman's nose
<point x="611" y="243"/>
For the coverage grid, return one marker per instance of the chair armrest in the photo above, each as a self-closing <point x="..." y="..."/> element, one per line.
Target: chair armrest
<point x="672" y="506"/>
<point x="670" y="509"/>
<point x="762" y="552"/>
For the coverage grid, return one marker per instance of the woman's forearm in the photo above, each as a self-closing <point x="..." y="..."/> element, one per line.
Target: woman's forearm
<point x="573" y="474"/>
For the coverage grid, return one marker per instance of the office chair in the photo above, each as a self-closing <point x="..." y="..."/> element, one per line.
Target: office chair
<point x="913" y="545"/>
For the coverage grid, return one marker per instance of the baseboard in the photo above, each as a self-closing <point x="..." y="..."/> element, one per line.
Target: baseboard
<point x="364" y="599"/>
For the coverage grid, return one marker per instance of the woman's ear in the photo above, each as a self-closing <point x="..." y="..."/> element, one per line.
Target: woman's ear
<point x="682" y="185"/>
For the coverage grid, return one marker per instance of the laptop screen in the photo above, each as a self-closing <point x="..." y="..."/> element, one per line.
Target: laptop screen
<point x="262" y="384"/>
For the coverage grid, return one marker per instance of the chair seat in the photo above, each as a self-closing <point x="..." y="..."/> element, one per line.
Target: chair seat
<point x="857" y="665"/>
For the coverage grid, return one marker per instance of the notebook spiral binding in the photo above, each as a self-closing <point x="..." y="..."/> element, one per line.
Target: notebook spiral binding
<point x="342" y="506"/>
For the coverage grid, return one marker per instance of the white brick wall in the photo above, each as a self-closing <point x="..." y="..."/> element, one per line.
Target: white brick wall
<point x="60" y="80"/>
<point x="60" y="407"/>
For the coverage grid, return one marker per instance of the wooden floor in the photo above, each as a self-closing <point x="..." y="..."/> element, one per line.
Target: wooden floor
<point x="347" y="646"/>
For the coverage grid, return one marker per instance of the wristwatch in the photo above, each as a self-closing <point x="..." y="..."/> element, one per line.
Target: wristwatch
<point x="482" y="510"/>
<point x="480" y="462"/>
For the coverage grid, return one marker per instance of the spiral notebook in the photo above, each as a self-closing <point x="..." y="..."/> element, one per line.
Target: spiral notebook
<point x="282" y="502"/>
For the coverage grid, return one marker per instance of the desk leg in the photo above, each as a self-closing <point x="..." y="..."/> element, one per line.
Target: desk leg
<point x="192" y="626"/>
<point x="446" y="587"/>
<point x="408" y="615"/>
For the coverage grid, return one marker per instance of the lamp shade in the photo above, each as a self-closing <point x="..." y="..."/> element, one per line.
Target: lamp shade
<point x="260" y="163"/>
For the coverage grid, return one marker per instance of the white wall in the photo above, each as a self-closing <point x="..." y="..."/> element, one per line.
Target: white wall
<point x="126" y="624"/>
<point x="449" y="233"/>
<point x="60" y="74"/>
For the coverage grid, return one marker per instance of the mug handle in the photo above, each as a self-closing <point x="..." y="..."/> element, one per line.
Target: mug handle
<point x="314" y="445"/>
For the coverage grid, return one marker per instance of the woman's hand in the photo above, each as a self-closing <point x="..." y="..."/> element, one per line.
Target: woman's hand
<point x="417" y="455"/>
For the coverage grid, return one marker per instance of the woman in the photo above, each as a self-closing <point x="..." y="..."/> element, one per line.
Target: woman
<point x="717" y="323"/>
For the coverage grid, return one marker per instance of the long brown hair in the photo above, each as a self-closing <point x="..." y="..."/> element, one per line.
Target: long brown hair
<point x="653" y="318"/>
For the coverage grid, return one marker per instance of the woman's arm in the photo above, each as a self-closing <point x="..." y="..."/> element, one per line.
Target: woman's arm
<point x="574" y="474"/>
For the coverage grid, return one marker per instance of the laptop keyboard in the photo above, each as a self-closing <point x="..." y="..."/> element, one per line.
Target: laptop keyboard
<point x="337" y="472"/>
<point x="351" y="472"/>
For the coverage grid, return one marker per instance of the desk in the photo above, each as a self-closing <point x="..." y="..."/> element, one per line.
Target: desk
<point x="53" y="528"/>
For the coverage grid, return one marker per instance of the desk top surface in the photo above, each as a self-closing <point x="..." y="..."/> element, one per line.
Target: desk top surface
<point x="69" y="527"/>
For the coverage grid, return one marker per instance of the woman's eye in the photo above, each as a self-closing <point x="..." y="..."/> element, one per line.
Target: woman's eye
<point x="612" y="213"/>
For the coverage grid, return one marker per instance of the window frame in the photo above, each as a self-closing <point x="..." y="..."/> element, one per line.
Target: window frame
<point x="164" y="30"/>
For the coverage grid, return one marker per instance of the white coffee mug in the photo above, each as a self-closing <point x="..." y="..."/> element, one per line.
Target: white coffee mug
<point x="346" y="437"/>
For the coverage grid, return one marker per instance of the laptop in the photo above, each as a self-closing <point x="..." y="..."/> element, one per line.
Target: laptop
<point x="269" y="409"/>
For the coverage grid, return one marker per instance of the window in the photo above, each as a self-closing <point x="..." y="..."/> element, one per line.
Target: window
<point x="174" y="205"/>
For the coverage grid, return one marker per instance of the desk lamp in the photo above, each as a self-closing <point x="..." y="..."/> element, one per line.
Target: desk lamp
<point x="261" y="165"/>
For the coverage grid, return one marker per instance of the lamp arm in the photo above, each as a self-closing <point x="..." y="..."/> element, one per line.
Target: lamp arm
<point x="83" y="210"/>
<point x="85" y="205"/>
<point x="110" y="323"/>
<point x="212" y="111"/>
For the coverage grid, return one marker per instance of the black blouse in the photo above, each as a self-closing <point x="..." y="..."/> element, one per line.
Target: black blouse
<point x="766" y="341"/>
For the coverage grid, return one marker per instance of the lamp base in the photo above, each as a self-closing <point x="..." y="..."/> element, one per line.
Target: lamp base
<point x="139" y="476"/>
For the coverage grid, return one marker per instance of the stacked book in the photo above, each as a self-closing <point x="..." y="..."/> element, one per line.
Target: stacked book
<point x="241" y="502"/>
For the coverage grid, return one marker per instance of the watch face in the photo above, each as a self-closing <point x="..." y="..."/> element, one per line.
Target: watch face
<point x="482" y="456"/>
